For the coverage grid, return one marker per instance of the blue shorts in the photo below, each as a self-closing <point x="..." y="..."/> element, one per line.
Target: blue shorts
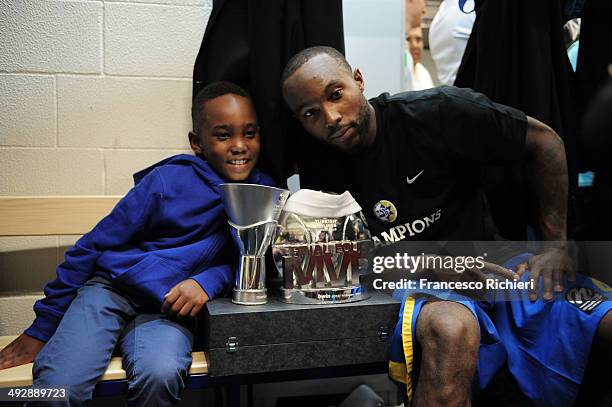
<point x="546" y="344"/>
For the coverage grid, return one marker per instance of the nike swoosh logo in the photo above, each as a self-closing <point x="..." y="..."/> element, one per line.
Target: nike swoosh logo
<point x="411" y="180"/>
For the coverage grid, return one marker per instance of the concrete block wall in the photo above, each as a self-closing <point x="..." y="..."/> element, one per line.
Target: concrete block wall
<point x="90" y="92"/>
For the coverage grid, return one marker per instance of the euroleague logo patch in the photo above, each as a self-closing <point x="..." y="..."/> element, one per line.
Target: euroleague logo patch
<point x="584" y="298"/>
<point x="385" y="211"/>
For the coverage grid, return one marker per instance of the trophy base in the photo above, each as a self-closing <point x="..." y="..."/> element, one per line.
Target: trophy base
<point x="335" y="295"/>
<point x="250" y="297"/>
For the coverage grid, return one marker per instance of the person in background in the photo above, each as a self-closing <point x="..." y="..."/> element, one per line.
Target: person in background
<point x="413" y="15"/>
<point x="421" y="79"/>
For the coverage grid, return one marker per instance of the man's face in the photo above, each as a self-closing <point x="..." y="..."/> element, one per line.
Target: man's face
<point x="228" y="136"/>
<point x="415" y="43"/>
<point x="328" y="100"/>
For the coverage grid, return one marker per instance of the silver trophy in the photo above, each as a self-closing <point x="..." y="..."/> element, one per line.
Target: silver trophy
<point x="253" y="211"/>
<point x="321" y="252"/>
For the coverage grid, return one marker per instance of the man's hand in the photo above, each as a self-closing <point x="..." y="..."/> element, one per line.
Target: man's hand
<point x="551" y="264"/>
<point x="19" y="352"/>
<point x="184" y="299"/>
<point x="547" y="167"/>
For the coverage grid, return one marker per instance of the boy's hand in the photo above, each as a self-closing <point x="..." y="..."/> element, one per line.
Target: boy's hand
<point x="185" y="299"/>
<point x="19" y="352"/>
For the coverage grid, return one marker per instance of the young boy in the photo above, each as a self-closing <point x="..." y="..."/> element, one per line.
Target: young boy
<point x="159" y="256"/>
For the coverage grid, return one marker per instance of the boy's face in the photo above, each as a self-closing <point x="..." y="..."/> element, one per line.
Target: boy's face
<point x="228" y="136"/>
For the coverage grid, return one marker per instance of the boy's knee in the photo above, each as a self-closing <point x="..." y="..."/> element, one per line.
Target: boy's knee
<point x="162" y="377"/>
<point x="168" y="376"/>
<point x="448" y="327"/>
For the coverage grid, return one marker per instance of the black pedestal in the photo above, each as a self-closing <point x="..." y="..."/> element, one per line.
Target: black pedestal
<point x="280" y="337"/>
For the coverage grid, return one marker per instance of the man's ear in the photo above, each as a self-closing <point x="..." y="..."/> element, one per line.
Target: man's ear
<point x="359" y="79"/>
<point x="196" y="143"/>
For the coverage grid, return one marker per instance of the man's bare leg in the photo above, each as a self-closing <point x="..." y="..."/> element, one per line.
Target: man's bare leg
<point x="449" y="338"/>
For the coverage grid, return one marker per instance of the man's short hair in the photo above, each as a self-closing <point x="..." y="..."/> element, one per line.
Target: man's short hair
<point x="209" y="92"/>
<point x="307" y="54"/>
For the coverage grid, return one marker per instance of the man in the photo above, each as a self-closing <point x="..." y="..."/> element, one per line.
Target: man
<point x="417" y="161"/>
<point x="432" y="143"/>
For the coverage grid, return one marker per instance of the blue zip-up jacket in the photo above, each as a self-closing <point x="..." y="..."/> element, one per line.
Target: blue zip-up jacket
<point x="171" y="226"/>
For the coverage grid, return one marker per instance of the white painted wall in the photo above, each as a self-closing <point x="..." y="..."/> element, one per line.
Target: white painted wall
<point x="82" y="83"/>
<point x="374" y="43"/>
<point x="90" y="92"/>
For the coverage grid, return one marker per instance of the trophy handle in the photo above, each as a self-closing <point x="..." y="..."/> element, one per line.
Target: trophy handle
<point x="263" y="222"/>
<point x="307" y="232"/>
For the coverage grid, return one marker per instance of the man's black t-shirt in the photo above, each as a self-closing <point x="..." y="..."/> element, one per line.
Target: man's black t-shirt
<point x="420" y="179"/>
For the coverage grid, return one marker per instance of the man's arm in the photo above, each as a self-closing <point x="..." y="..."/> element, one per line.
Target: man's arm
<point x="547" y="165"/>
<point x="548" y="176"/>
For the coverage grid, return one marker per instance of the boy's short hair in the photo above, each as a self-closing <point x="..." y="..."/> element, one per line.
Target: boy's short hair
<point x="211" y="91"/>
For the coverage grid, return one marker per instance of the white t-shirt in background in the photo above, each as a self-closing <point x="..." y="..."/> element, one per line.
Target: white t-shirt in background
<point x="421" y="79"/>
<point x="448" y="36"/>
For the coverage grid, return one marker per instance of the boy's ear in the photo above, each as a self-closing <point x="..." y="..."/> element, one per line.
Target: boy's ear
<point x="196" y="143"/>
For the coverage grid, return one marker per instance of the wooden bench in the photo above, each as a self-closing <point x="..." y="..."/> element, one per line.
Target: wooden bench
<point x="61" y="215"/>
<point x="22" y="375"/>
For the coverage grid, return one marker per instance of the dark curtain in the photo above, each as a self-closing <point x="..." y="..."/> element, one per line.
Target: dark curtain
<point x="516" y="56"/>
<point x="249" y="42"/>
<point x="593" y="105"/>
<point x="594" y="56"/>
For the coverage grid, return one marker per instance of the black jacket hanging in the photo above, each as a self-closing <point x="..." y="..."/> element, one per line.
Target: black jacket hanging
<point x="516" y="56"/>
